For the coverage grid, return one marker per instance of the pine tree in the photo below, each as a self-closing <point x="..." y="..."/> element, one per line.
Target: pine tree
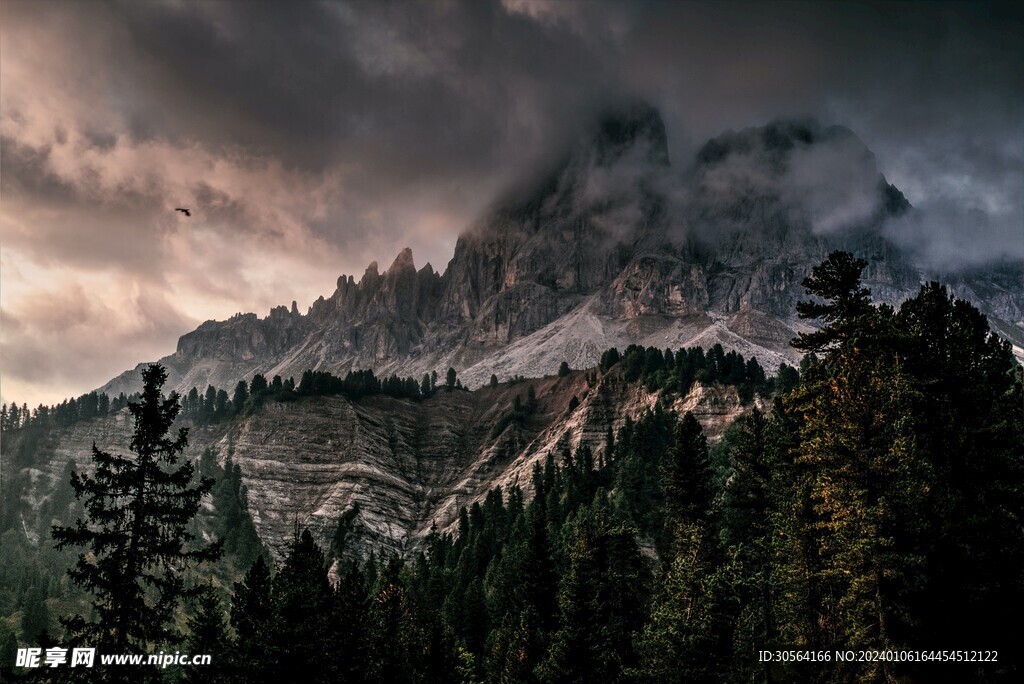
<point x="351" y="626"/>
<point x="258" y="386"/>
<point x="869" y="492"/>
<point x="836" y="280"/>
<point x="859" y="531"/>
<point x="671" y="648"/>
<point x="232" y="522"/>
<point x="35" y="617"/>
<point x="240" y="396"/>
<point x="796" y="559"/>
<point x="207" y="413"/>
<point x="687" y="479"/>
<point x="747" y="533"/>
<point x="394" y="632"/>
<point x="192" y="403"/>
<point x="222" y="408"/>
<point x="971" y="429"/>
<point x="303" y="605"/>
<point x="517" y="647"/>
<point x="600" y="600"/>
<point x="681" y="639"/>
<point x="208" y="634"/>
<point x="474" y="618"/>
<point x="254" y="622"/>
<point x="136" y="531"/>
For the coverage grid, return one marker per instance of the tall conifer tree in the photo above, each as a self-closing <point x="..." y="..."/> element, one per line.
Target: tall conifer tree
<point x="136" y="535"/>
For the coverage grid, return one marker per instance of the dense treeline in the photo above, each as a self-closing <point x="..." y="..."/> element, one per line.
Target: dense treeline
<point x="665" y="371"/>
<point x="656" y="369"/>
<point x="69" y="411"/>
<point x="677" y="371"/>
<point x="230" y="500"/>
<point x="215" y="405"/>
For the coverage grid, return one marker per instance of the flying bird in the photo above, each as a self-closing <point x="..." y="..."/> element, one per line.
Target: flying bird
<point x="186" y="212"/>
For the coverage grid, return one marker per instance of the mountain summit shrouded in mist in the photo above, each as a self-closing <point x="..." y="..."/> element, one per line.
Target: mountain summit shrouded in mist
<point x="606" y="247"/>
<point x="397" y="127"/>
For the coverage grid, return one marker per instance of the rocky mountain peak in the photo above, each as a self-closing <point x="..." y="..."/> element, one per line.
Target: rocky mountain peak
<point x="774" y="142"/>
<point x="372" y="273"/>
<point x="561" y="235"/>
<point x="623" y="128"/>
<point x="815" y="179"/>
<point x="612" y="154"/>
<point x="402" y="262"/>
<point x="606" y="249"/>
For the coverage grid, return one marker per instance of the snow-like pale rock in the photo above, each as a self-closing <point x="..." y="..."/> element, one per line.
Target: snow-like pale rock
<point x="408" y="466"/>
<point x="608" y="248"/>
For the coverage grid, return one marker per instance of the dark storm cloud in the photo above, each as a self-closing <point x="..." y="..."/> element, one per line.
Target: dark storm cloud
<point x="311" y="138"/>
<point x="458" y="90"/>
<point x="402" y="88"/>
<point x="457" y="97"/>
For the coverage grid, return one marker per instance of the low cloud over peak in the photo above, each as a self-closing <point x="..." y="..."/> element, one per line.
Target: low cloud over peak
<point x="311" y="138"/>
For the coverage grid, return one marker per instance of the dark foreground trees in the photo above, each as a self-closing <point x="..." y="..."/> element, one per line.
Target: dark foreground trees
<point x="902" y="491"/>
<point x="135" y="533"/>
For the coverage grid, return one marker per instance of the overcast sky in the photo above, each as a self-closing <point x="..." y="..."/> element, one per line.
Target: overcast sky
<point x="312" y="138"/>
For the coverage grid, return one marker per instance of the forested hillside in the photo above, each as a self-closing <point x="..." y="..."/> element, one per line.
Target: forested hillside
<point x="874" y="505"/>
<point x="877" y="506"/>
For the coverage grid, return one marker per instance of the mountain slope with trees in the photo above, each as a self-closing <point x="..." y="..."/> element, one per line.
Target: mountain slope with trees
<point x="873" y="503"/>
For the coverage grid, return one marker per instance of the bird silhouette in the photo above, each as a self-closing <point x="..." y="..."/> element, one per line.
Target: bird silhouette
<point x="186" y="212"/>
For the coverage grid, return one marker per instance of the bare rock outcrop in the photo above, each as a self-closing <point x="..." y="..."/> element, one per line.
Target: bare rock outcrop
<point x="607" y="247"/>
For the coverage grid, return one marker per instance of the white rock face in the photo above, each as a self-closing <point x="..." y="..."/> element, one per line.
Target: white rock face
<point x="408" y="466"/>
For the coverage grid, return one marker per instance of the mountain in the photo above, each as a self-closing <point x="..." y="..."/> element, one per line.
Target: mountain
<point x="401" y="466"/>
<point x="609" y="246"/>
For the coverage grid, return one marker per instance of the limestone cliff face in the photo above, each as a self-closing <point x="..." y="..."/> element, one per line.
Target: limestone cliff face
<point x="607" y="247"/>
<point x="408" y="466"/>
<point x="602" y="251"/>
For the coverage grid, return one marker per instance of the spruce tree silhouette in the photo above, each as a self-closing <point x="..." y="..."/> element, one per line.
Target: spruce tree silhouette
<point x="136" y="531"/>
